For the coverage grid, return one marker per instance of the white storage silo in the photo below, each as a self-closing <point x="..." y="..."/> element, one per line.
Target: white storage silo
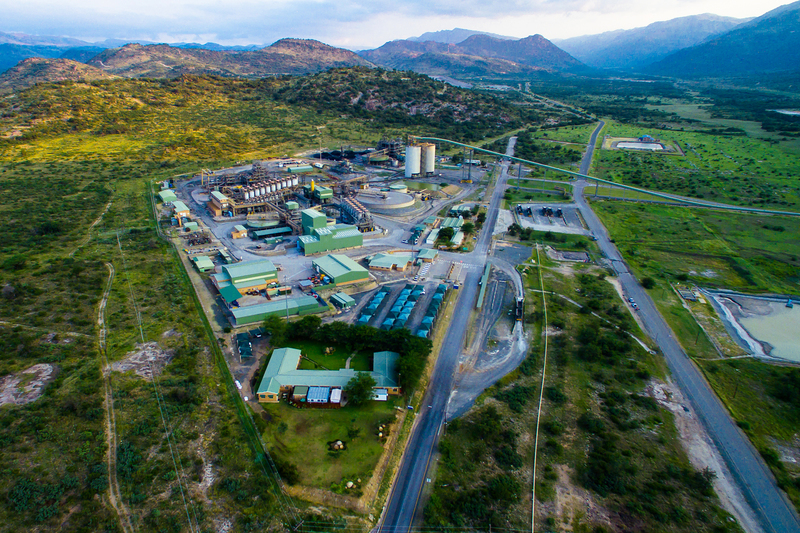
<point x="413" y="157"/>
<point x="295" y="181"/>
<point x="429" y="157"/>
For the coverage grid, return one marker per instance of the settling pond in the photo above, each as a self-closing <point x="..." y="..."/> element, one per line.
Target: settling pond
<point x="764" y="326"/>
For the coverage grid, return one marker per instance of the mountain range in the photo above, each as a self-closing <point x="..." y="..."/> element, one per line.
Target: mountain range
<point x="477" y="55"/>
<point x="629" y="49"/>
<point x="765" y="45"/>
<point x="455" y="36"/>
<point x="687" y="47"/>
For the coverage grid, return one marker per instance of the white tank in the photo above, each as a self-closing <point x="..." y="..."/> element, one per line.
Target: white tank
<point x="413" y="156"/>
<point x="295" y="181"/>
<point x="263" y="189"/>
<point x="430" y="158"/>
<point x="285" y="183"/>
<point x="247" y="194"/>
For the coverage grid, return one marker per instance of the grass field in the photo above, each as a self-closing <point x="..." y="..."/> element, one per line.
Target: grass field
<point x="733" y="169"/>
<point x="315" y="351"/>
<point x="615" y="192"/>
<point x="747" y="388"/>
<point x="311" y="430"/>
<point x="753" y="253"/>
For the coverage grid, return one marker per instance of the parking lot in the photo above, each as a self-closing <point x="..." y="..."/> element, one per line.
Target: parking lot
<point x="568" y="222"/>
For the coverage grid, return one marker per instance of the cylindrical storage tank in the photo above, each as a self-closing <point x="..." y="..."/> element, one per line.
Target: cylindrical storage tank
<point x="263" y="189"/>
<point x="285" y="183"/>
<point x="413" y="156"/>
<point x="271" y="187"/>
<point x="430" y="158"/>
<point x="247" y="194"/>
<point x="295" y="181"/>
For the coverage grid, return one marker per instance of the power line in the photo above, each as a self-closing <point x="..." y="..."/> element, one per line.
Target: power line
<point x="541" y="394"/>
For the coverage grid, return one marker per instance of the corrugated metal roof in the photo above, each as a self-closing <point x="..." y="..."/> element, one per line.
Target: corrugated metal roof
<point x="203" y="262"/>
<point x="179" y="206"/>
<point x="230" y="293"/>
<point x="313" y="213"/>
<point x="219" y="196"/>
<point x="318" y="394"/>
<point x="389" y="260"/>
<point x="167" y="196"/>
<point x="250" y="269"/>
<point x="428" y="253"/>
<point x="335" y="265"/>
<point x="293" y="305"/>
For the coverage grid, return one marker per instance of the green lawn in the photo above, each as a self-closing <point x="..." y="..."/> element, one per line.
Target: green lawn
<point x="315" y="351"/>
<point x="302" y="437"/>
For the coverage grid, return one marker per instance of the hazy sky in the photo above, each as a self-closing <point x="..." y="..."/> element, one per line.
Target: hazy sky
<point x="345" y="23"/>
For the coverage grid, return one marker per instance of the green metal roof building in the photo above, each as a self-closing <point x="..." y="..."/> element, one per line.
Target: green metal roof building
<point x="341" y="269"/>
<point x="452" y="222"/>
<point x="179" y="207"/>
<point x="253" y="314"/>
<point x="203" y="263"/>
<point x="246" y="275"/>
<point x="397" y="261"/>
<point x="272" y="232"/>
<point x="330" y="239"/>
<point x="312" y="219"/>
<point x="167" y="196"/>
<point x="282" y="374"/>
<point x="458" y="238"/>
<point x="343" y="300"/>
<point x="323" y="193"/>
<point x="427" y="254"/>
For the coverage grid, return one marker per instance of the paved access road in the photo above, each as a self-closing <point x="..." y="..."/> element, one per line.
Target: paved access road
<point x="774" y="511"/>
<point x="412" y="475"/>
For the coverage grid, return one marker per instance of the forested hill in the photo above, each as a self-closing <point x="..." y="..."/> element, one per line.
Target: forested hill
<point x="41" y="70"/>
<point x="212" y="117"/>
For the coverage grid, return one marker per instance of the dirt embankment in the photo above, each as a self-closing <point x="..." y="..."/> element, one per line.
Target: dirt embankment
<point x="702" y="452"/>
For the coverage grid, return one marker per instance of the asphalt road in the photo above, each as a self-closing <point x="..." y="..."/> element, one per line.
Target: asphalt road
<point x="401" y="508"/>
<point x="771" y="507"/>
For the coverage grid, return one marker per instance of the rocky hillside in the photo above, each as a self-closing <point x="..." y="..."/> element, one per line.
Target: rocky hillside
<point x="35" y="70"/>
<point x="478" y="55"/>
<point x="287" y="56"/>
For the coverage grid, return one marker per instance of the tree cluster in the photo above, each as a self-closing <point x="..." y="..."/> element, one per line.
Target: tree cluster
<point x="413" y="350"/>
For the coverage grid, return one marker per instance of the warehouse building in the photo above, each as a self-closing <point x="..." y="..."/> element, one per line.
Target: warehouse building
<point x="340" y="269"/>
<point x="457" y="239"/>
<point x="343" y="300"/>
<point x="271" y="233"/>
<point x="283" y="377"/>
<point x="390" y="261"/>
<point x="330" y="239"/>
<point x="255" y="314"/>
<point x="167" y="196"/>
<point x="202" y="263"/>
<point x="247" y="276"/>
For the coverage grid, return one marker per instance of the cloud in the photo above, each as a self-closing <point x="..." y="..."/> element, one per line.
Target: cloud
<point x="363" y="24"/>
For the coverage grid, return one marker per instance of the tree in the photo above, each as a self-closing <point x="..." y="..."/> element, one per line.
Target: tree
<point x="468" y="228"/>
<point x="648" y="283"/>
<point x="481" y="218"/>
<point x="445" y="234"/>
<point x="275" y="327"/>
<point x="359" y="388"/>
